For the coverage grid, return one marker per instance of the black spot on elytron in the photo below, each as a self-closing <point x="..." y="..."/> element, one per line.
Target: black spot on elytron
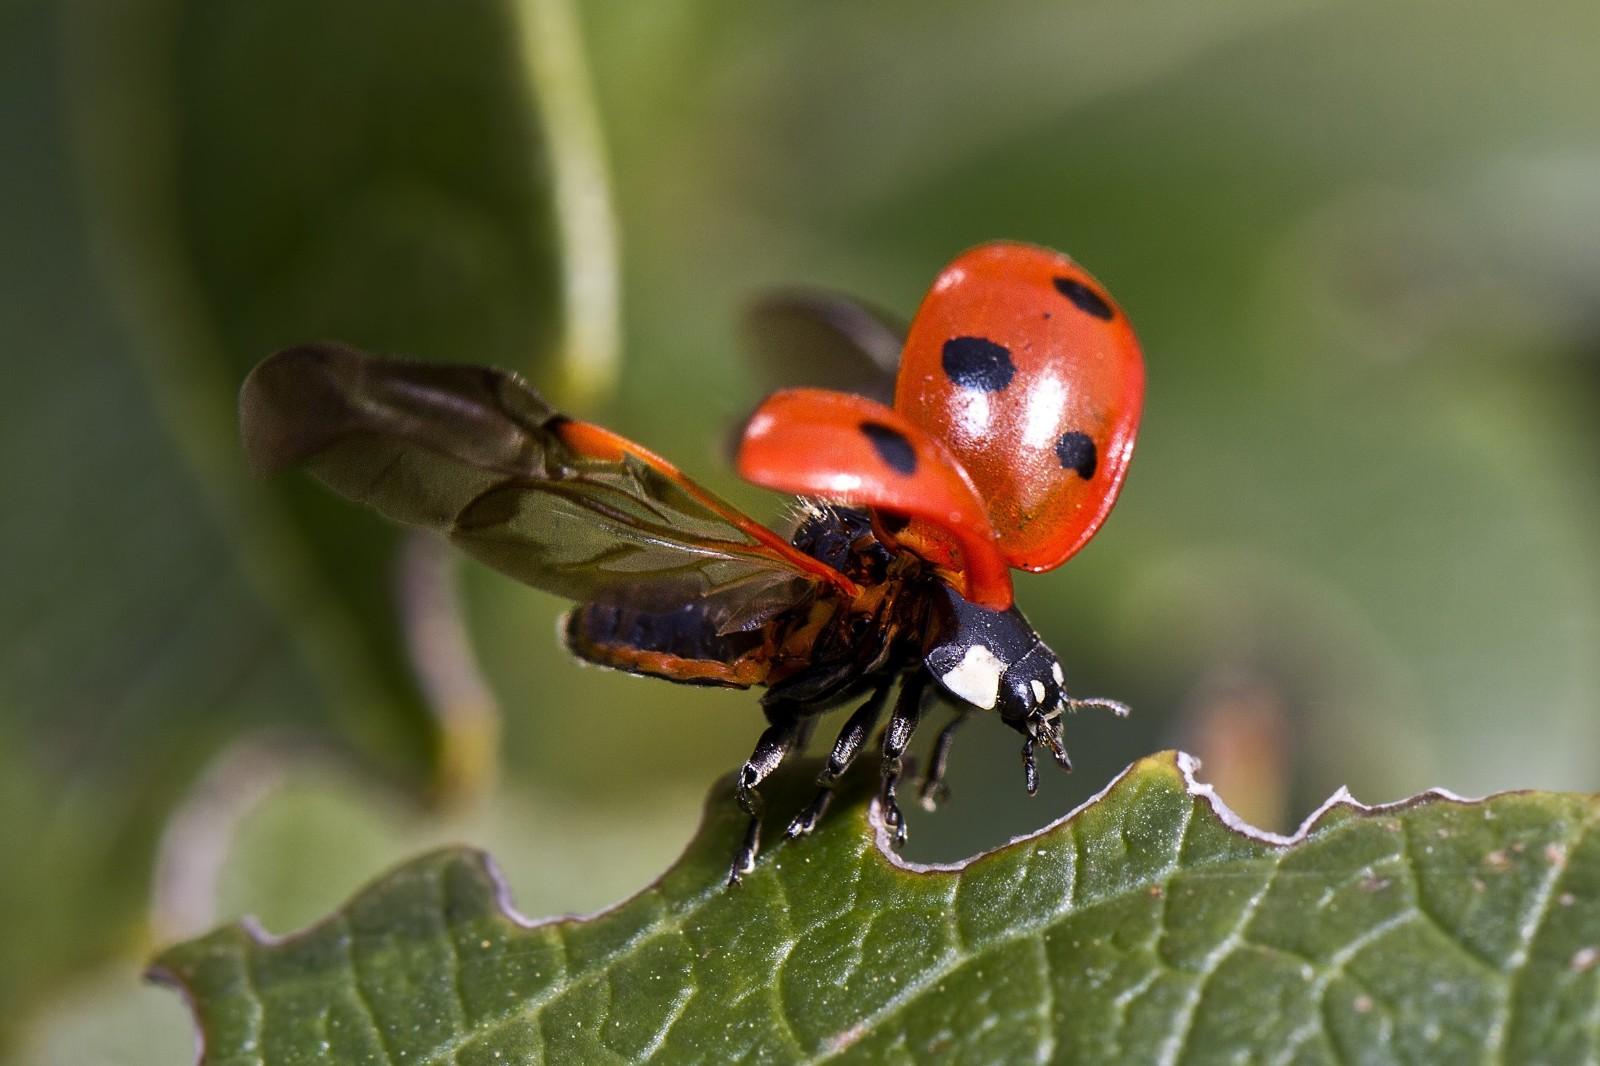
<point x="1085" y="298"/>
<point x="891" y="446"/>
<point x="976" y="363"/>
<point x="1077" y="452"/>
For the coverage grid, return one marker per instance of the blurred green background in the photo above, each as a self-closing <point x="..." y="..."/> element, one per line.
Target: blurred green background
<point x="1360" y="242"/>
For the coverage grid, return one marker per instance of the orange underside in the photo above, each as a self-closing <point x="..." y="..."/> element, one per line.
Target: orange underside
<point x="741" y="673"/>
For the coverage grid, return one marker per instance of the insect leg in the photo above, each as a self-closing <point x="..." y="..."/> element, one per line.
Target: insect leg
<point x="852" y="738"/>
<point x="933" y="790"/>
<point x="776" y="743"/>
<point x="1052" y="740"/>
<point x="1030" y="768"/>
<point x="896" y="736"/>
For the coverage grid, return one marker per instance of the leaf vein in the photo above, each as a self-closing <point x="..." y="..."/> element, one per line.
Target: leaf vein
<point x="1419" y="901"/>
<point x="680" y="1004"/>
<point x="943" y="966"/>
<point x="465" y="1024"/>
<point x="1333" y="967"/>
<point x="359" y="984"/>
<point x="1047" y="1004"/>
<point x="1172" y="1047"/>
<point x="258" y="1016"/>
<point x="780" y="1010"/>
<point x="1527" y="932"/>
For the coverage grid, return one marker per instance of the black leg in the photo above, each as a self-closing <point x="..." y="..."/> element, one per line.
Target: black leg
<point x="1030" y="769"/>
<point x="852" y="738"/>
<point x="1052" y="740"/>
<point x="896" y="737"/>
<point x="1040" y="729"/>
<point x="934" y="791"/>
<point x="780" y="738"/>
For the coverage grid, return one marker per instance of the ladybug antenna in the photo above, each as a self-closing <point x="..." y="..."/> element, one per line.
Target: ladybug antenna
<point x="1116" y="707"/>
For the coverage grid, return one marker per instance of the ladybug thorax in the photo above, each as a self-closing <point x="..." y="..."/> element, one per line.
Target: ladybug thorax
<point x="993" y="660"/>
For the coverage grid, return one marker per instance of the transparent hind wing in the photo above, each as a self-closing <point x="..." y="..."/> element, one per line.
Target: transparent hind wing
<point x="476" y="454"/>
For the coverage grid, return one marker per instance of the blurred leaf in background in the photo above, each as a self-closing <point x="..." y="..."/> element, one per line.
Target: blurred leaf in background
<point x="1358" y="239"/>
<point x="258" y="175"/>
<point x="209" y="182"/>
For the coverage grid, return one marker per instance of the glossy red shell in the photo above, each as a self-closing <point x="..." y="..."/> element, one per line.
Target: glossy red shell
<point x="1021" y="364"/>
<point x="840" y="446"/>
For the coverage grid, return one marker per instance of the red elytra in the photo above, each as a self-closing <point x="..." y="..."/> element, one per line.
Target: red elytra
<point x="1030" y="375"/>
<point x="1026" y="383"/>
<point x="836" y="445"/>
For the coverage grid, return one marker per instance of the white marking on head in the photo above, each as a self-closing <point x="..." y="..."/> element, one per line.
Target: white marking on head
<point x="976" y="678"/>
<point x="1038" y="690"/>
<point x="1055" y="672"/>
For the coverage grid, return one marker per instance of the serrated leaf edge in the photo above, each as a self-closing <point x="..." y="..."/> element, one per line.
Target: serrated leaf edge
<point x="1188" y="767"/>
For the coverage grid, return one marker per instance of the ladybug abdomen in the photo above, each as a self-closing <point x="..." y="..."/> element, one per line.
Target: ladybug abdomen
<point x="682" y="645"/>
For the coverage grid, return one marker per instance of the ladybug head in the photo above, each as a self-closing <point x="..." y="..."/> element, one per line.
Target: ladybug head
<point x="1033" y="687"/>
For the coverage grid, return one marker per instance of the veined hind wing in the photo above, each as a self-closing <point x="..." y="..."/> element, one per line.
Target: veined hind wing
<point x="561" y="505"/>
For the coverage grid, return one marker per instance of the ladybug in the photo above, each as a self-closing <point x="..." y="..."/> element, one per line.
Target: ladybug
<point x="1016" y="400"/>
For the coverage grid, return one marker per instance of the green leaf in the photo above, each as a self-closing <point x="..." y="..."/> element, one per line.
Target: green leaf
<point x="1147" y="926"/>
<point x="174" y="204"/>
<point x="133" y="648"/>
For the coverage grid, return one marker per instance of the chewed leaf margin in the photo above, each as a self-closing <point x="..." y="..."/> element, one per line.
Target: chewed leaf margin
<point x="1188" y="768"/>
<point x="1147" y="924"/>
